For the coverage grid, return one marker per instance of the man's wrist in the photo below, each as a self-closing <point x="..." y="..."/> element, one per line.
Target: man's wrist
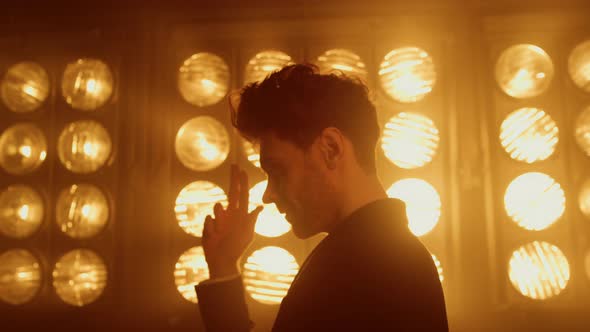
<point x="222" y="271"/>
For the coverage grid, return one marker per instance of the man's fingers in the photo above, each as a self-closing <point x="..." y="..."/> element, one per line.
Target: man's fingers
<point x="218" y="211"/>
<point x="244" y="194"/>
<point x="234" y="183"/>
<point x="253" y="216"/>
<point x="208" y="227"/>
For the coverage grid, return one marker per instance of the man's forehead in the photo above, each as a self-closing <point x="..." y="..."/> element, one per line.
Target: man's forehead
<point x="271" y="148"/>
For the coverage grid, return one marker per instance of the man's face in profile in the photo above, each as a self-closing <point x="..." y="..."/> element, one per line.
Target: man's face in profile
<point x="296" y="184"/>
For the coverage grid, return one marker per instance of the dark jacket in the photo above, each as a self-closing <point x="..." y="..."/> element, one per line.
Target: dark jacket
<point x="369" y="274"/>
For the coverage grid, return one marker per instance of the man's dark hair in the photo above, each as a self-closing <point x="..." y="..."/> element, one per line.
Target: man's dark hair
<point x="297" y="103"/>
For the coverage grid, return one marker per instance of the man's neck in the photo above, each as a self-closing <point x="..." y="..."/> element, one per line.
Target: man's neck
<point x="364" y="190"/>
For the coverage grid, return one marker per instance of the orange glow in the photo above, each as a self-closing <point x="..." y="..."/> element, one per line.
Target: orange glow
<point x="84" y="146"/>
<point x="587" y="264"/>
<point x="529" y="135"/>
<point x="264" y="64"/>
<point x="23" y="148"/>
<point x="583" y="131"/>
<point x="194" y="203"/>
<point x="270" y="222"/>
<point x="190" y="269"/>
<point x="407" y="74"/>
<point x="410" y="140"/>
<point x="268" y="274"/>
<point x="79" y="277"/>
<point x="439" y="268"/>
<point x="252" y="153"/>
<point x="539" y="270"/>
<point x="25" y="87"/>
<point x="87" y="84"/>
<point x="534" y="201"/>
<point x="82" y="211"/>
<point x="423" y="206"/>
<point x="203" y="79"/>
<point x="202" y="143"/>
<point x="20" y="276"/>
<point x="584" y="198"/>
<point x="524" y="71"/>
<point x="21" y="211"/>
<point x="579" y="65"/>
<point x="344" y="61"/>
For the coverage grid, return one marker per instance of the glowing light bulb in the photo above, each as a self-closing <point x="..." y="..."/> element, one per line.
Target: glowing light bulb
<point x="87" y="84"/>
<point x="529" y="135"/>
<point x="190" y="269"/>
<point x="410" y="140"/>
<point x="25" y="87"/>
<point x="268" y="274"/>
<point x="202" y="143"/>
<point x="423" y="206"/>
<point x="22" y="149"/>
<point x="21" y="211"/>
<point x="20" y="276"/>
<point x="524" y="71"/>
<point x="534" y="201"/>
<point x="265" y="63"/>
<point x="407" y="74"/>
<point x="579" y="65"/>
<point x="79" y="277"/>
<point x="84" y="146"/>
<point x="539" y="270"/>
<point x="82" y="211"/>
<point x="203" y="79"/>
<point x="194" y="203"/>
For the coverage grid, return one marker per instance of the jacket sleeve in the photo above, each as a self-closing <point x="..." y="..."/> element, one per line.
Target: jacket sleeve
<point x="223" y="306"/>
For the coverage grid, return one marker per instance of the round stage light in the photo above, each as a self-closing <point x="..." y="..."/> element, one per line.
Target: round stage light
<point x="268" y="274"/>
<point x="410" y="140"/>
<point x="79" y="277"/>
<point x="529" y="135"/>
<point x="203" y="79"/>
<point x="21" y="211"/>
<point x="584" y="198"/>
<point x="524" y="71"/>
<point x="423" y="206"/>
<point x="23" y="148"/>
<point x="190" y="269"/>
<point x="342" y="61"/>
<point x="87" y="84"/>
<point x="579" y="65"/>
<point x="534" y="201"/>
<point x="202" y="144"/>
<point x="252" y="152"/>
<point x="20" y="276"/>
<point x="439" y="268"/>
<point x="82" y="211"/>
<point x="84" y="146"/>
<point x="25" y="87"/>
<point x="270" y="222"/>
<point x="264" y="64"/>
<point x="407" y="74"/>
<point x="539" y="270"/>
<point x="194" y="203"/>
<point x="583" y="131"/>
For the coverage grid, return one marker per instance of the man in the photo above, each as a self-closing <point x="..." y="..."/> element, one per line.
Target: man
<point x="317" y="136"/>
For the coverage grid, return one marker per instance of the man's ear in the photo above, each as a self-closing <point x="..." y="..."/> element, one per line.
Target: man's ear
<point x="331" y="145"/>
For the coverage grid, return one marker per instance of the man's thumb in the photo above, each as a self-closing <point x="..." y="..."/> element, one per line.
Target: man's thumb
<point x="254" y="214"/>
